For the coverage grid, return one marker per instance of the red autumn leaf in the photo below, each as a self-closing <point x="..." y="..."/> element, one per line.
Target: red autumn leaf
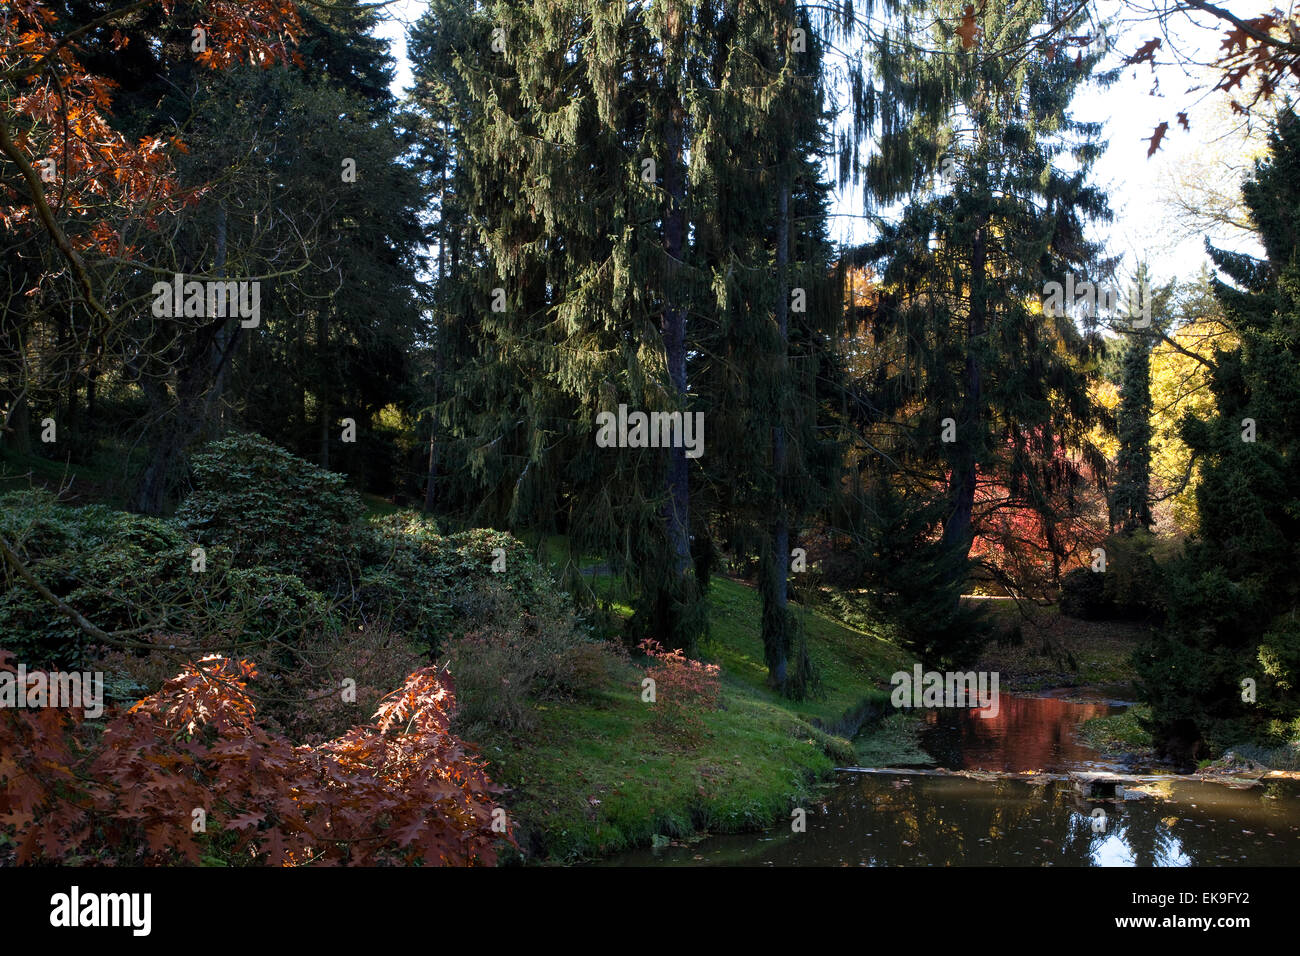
<point x="1146" y="53"/>
<point x="1156" y="137"/>
<point x="968" y="30"/>
<point x="245" y="820"/>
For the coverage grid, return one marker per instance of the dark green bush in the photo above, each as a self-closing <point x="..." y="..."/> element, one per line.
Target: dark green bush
<point x="419" y="580"/>
<point x="1083" y="595"/>
<point x="274" y="511"/>
<point x="1131" y="587"/>
<point x="128" y="572"/>
<point x="293" y="569"/>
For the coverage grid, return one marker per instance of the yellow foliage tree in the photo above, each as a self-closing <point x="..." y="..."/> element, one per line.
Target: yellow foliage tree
<point x="1180" y="375"/>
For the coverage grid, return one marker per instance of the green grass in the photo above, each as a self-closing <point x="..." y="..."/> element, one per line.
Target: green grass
<point x="853" y="666"/>
<point x="1118" y="732"/>
<point x="378" y="507"/>
<point x="595" y="777"/>
<point x="101" y="480"/>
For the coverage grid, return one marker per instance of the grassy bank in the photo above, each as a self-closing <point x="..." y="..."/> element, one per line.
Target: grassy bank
<point x="595" y="778"/>
<point x="1118" y="733"/>
<point x="1039" y="648"/>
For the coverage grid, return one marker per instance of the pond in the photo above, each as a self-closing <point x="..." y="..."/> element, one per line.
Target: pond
<point x="1027" y="733"/>
<point x="917" y="819"/>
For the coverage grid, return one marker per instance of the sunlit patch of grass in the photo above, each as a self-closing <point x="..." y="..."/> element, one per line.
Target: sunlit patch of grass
<point x="605" y="781"/>
<point x="1117" y="732"/>
<point x="595" y="778"/>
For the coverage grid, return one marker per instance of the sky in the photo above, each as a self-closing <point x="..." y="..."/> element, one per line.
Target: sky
<point x="1130" y="109"/>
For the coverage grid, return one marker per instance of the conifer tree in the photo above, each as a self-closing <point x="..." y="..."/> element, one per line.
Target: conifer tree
<point x="767" y="342"/>
<point x="1233" y="598"/>
<point x="1131" y="489"/>
<point x="572" y="150"/>
<point x="982" y="384"/>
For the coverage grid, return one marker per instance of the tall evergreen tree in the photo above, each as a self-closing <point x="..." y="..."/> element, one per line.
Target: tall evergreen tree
<point x="1131" y="487"/>
<point x="610" y="156"/>
<point x="983" y="386"/>
<point x="766" y="341"/>
<point x="1234" y="597"/>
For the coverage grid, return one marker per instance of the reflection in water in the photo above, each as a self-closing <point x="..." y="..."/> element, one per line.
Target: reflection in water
<point x="890" y="820"/>
<point x="1029" y="733"/>
<point x="877" y="820"/>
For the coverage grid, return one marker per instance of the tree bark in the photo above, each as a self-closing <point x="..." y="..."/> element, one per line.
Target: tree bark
<point x="677" y="509"/>
<point x="19" y="438"/>
<point x="199" y="383"/>
<point x="957" y="536"/>
<point x="322" y="388"/>
<point x="779" y="567"/>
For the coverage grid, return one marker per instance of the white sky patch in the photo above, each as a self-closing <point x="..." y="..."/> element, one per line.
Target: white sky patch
<point x="1129" y="110"/>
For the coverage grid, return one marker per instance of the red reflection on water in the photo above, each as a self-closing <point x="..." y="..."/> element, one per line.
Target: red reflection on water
<point x="1028" y="733"/>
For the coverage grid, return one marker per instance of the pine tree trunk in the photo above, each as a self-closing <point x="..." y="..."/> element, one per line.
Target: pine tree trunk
<point x="775" y="636"/>
<point x="677" y="510"/>
<point x="70" y="415"/>
<point x="431" y="477"/>
<point x="957" y="537"/>
<point x="19" y="437"/>
<point x="224" y="340"/>
<point x="322" y="389"/>
<point x="198" y="394"/>
<point x="91" y="377"/>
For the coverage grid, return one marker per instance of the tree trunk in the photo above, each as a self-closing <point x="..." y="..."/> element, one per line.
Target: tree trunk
<point x="677" y="510"/>
<point x="322" y="388"/>
<point x="19" y="438"/>
<point x="201" y="376"/>
<point x="91" y="377"/>
<point x="431" y="477"/>
<point x="776" y="637"/>
<point x="957" y="536"/>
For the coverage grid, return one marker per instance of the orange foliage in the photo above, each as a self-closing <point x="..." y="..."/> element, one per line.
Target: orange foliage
<point x="400" y="791"/>
<point x="683" y="688"/>
<point x="54" y="111"/>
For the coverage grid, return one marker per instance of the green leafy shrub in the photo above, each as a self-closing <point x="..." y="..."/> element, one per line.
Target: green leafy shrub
<point x="420" y="581"/>
<point x="274" y="511"/>
<point x="127" y="572"/>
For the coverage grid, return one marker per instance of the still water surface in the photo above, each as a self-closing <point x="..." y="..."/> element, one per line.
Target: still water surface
<point x="918" y="820"/>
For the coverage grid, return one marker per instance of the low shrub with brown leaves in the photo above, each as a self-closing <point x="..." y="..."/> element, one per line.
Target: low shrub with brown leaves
<point x="402" y="790"/>
<point x="684" y="689"/>
<point x="512" y="658"/>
